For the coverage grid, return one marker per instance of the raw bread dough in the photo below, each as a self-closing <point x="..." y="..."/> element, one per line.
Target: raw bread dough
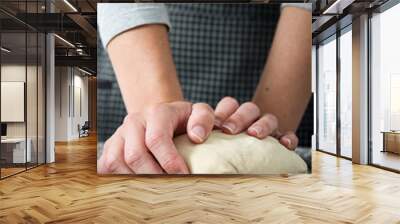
<point x="238" y="154"/>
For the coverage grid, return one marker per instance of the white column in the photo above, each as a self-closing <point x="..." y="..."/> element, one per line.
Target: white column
<point x="50" y="110"/>
<point x="50" y="92"/>
<point x="360" y="90"/>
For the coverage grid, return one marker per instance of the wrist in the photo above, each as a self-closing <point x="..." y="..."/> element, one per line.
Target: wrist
<point x="152" y="93"/>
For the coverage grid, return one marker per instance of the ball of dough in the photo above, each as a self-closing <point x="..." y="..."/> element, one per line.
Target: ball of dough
<point x="238" y="154"/>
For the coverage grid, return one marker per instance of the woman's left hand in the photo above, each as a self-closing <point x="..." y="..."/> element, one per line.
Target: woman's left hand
<point x="233" y="118"/>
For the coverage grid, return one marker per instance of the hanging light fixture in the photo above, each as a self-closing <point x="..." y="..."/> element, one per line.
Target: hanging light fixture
<point x="5" y="49"/>
<point x="70" y="5"/>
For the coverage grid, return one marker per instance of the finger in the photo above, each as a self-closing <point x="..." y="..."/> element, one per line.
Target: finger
<point x="277" y="134"/>
<point x="112" y="159"/>
<point x="265" y="126"/>
<point x="224" y="109"/>
<point x="137" y="156"/>
<point x="201" y="122"/>
<point x="160" y="126"/>
<point x="289" y="140"/>
<point x="241" y="119"/>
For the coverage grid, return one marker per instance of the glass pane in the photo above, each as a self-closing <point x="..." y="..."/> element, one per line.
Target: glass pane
<point x="13" y="88"/>
<point x="385" y="84"/>
<point x="31" y="88"/>
<point x="346" y="94"/>
<point x="327" y="96"/>
<point x="41" y="99"/>
<point x="23" y="90"/>
<point x="31" y="97"/>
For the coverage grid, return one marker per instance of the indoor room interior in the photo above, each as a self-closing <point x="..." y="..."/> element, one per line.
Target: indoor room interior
<point x="49" y="114"/>
<point x="25" y="70"/>
<point x="334" y="72"/>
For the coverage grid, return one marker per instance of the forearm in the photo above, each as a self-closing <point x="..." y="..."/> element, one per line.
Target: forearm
<point x="142" y="61"/>
<point x="285" y="85"/>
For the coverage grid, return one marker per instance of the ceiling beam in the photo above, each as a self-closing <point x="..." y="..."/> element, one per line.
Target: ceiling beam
<point x="86" y="26"/>
<point x="78" y="61"/>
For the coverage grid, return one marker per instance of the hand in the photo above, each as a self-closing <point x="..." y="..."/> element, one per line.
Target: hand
<point x="233" y="118"/>
<point x="143" y="143"/>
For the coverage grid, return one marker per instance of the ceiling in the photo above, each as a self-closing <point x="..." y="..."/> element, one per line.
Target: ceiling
<point x="75" y="21"/>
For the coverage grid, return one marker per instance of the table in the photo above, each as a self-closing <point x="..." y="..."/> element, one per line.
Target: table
<point x="391" y="141"/>
<point x="13" y="150"/>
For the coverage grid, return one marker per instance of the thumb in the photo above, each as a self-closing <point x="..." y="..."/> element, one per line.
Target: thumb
<point x="200" y="123"/>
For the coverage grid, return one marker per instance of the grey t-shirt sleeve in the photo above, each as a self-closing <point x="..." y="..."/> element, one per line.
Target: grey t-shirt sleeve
<point x="116" y="18"/>
<point x="305" y="6"/>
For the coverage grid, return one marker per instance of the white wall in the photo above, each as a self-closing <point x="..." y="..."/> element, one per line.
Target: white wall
<point x="33" y="126"/>
<point x="12" y="73"/>
<point x="80" y="84"/>
<point x="61" y="103"/>
<point x="70" y="83"/>
<point x="16" y="73"/>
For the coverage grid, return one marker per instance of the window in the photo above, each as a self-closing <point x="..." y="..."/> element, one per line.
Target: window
<point x="22" y="78"/>
<point x="331" y="133"/>
<point x="327" y="95"/>
<point x="385" y="89"/>
<point x="346" y="93"/>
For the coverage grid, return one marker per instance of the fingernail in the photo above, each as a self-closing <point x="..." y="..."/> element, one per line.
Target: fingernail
<point x="199" y="132"/>
<point x="230" y="126"/>
<point x="257" y="130"/>
<point x="217" y="122"/>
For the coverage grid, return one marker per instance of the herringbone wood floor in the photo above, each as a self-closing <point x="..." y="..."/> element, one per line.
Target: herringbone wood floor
<point x="69" y="191"/>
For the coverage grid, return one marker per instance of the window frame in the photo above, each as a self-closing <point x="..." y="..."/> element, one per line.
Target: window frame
<point x="27" y="29"/>
<point x="333" y="37"/>
<point x="378" y="10"/>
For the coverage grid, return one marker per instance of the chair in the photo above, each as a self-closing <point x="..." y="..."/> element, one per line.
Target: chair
<point x="84" y="130"/>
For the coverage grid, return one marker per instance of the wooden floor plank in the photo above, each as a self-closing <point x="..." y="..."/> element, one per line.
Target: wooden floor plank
<point x="69" y="191"/>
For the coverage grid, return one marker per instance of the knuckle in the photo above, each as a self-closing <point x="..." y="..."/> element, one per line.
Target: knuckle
<point x="271" y="119"/>
<point x="296" y="143"/>
<point x="294" y="136"/>
<point x="204" y="114"/>
<point x="230" y="100"/>
<point x="222" y="115"/>
<point x="110" y="164"/>
<point x="134" y="159"/>
<point x="290" y="133"/>
<point x="178" y="109"/>
<point x="154" y="140"/>
<point x="131" y="121"/>
<point x="129" y="118"/>
<point x="171" y="163"/>
<point x="266" y="127"/>
<point x="251" y="106"/>
<point x="203" y="107"/>
<point x="107" y="144"/>
<point x="238" y="118"/>
<point x="155" y="109"/>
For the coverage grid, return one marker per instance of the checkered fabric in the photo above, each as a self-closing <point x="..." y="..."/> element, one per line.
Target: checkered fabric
<point x="110" y="107"/>
<point x="219" y="50"/>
